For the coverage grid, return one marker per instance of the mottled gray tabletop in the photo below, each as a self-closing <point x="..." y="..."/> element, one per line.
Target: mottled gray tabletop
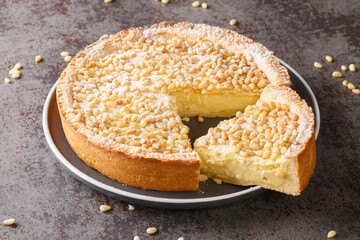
<point x="49" y="203"/>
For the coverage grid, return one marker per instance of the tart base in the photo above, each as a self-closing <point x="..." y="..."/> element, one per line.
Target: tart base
<point x="238" y="171"/>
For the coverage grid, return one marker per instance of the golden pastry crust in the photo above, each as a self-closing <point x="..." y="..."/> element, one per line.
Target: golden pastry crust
<point x="132" y="163"/>
<point x="303" y="151"/>
<point x="141" y="172"/>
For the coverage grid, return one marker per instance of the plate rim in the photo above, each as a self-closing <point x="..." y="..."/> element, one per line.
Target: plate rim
<point x="135" y="196"/>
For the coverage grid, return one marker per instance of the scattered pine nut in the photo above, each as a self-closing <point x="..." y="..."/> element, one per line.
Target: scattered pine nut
<point x="343" y="67"/>
<point x="186" y="119"/>
<point x="195" y="4"/>
<point x="7" y="80"/>
<point x="137" y="237"/>
<point x="345" y="83"/>
<point x="107" y="1"/>
<point x="151" y="230"/>
<point x="16" y="75"/>
<point x="337" y="74"/>
<point x="356" y="91"/>
<point x="232" y="22"/>
<point x="131" y="207"/>
<point x="351" y="86"/>
<point x="200" y="119"/>
<point x="352" y="67"/>
<point x="12" y="71"/>
<point x="64" y="54"/>
<point x="204" y="5"/>
<point x="331" y="234"/>
<point x="38" y="58"/>
<point x="181" y="238"/>
<point x="104" y="208"/>
<point x="68" y="58"/>
<point x="17" y="66"/>
<point x="329" y="58"/>
<point x="9" y="222"/>
<point x="217" y="180"/>
<point x="318" y="65"/>
<point x="165" y="1"/>
<point x="203" y="177"/>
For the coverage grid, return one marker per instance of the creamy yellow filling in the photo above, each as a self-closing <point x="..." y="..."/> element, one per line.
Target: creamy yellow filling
<point x="193" y="103"/>
<point x="224" y="163"/>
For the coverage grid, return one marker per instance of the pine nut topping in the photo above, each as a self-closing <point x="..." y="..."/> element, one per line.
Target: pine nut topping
<point x="108" y="92"/>
<point x="329" y="58"/>
<point x="232" y="22"/>
<point x="203" y="178"/>
<point x="196" y="4"/>
<point x="269" y="129"/>
<point x="318" y="65"/>
<point x="151" y="230"/>
<point x="7" y="80"/>
<point x="352" y="67"/>
<point x="107" y="1"/>
<point x="337" y="74"/>
<point x="204" y="5"/>
<point x="345" y="83"/>
<point x="38" y="58"/>
<point x="64" y="54"/>
<point x="351" y="86"/>
<point x="200" y="119"/>
<point x="131" y="207"/>
<point x="9" y="222"/>
<point x="331" y="234"/>
<point x="136" y="238"/>
<point x="104" y="208"/>
<point x="356" y="91"/>
<point x="217" y="180"/>
<point x="67" y="58"/>
<point x="343" y="67"/>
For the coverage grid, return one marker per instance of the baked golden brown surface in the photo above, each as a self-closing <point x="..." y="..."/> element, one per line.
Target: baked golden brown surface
<point x="121" y="99"/>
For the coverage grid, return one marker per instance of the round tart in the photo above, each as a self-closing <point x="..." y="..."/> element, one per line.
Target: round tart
<point x="121" y="99"/>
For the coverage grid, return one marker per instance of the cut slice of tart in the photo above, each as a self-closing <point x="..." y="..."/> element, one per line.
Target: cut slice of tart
<point x="271" y="144"/>
<point x="120" y="100"/>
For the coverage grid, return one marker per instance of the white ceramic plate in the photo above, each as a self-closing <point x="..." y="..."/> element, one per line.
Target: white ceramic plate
<point x="209" y="194"/>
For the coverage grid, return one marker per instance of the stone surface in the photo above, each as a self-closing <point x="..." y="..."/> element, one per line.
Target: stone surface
<point x="48" y="203"/>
